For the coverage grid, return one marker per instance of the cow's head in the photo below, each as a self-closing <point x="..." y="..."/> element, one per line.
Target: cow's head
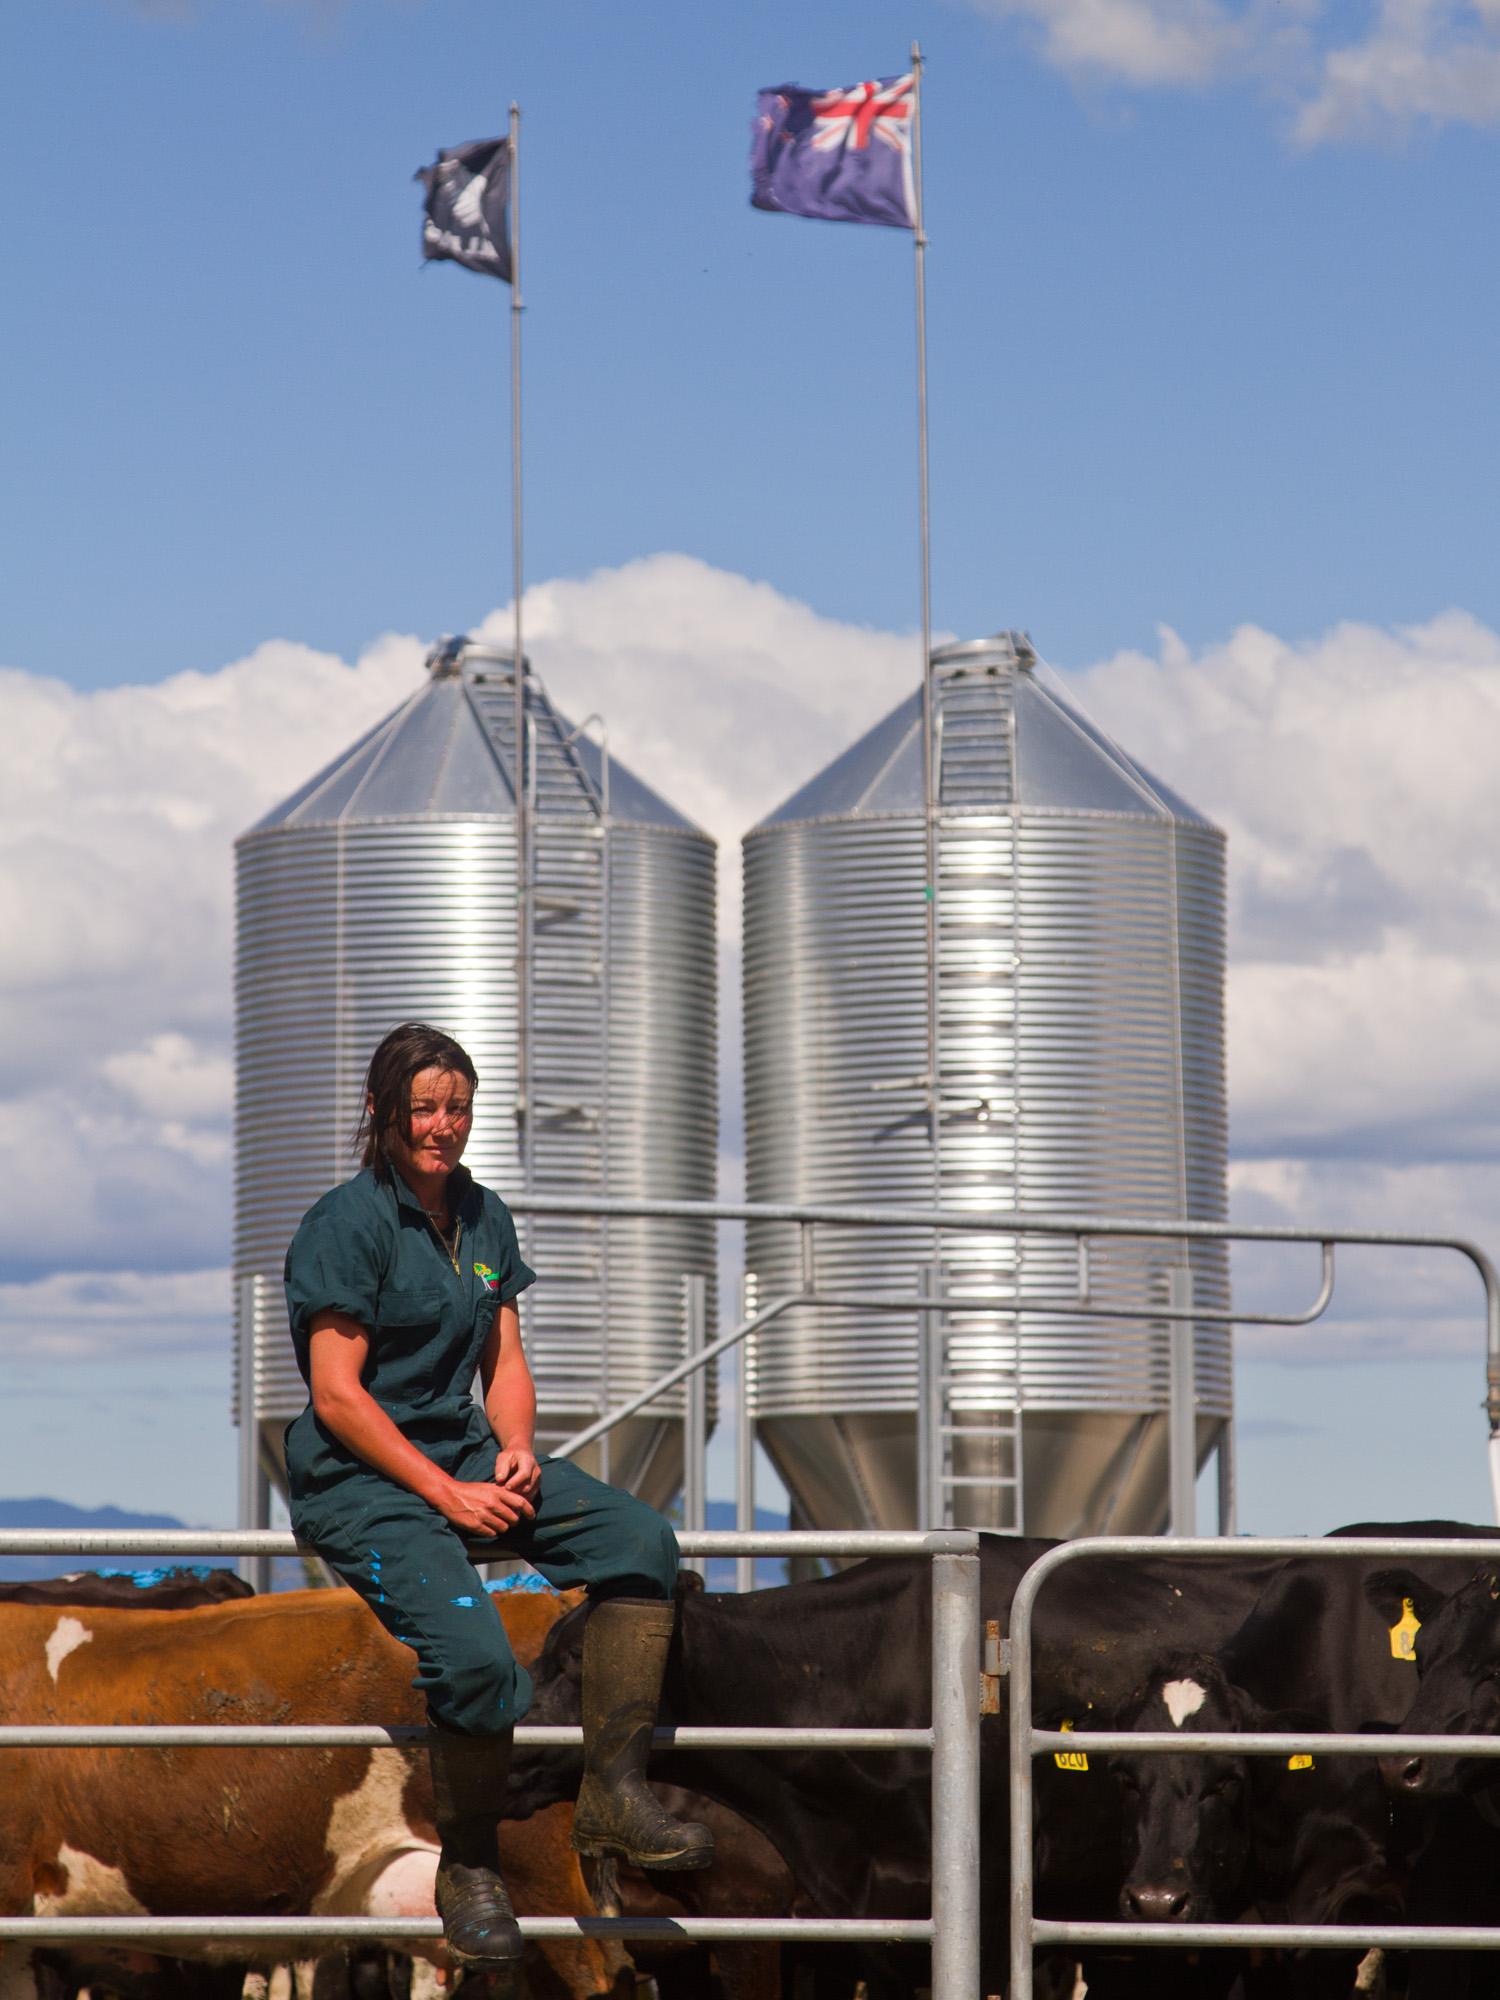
<point x="1458" y="1677"/>
<point x="1188" y="1817"/>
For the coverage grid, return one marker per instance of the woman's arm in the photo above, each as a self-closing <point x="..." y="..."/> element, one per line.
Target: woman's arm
<point x="510" y="1403"/>
<point x="339" y="1348"/>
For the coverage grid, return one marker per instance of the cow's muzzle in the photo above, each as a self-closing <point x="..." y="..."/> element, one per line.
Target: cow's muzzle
<point x="1406" y="1775"/>
<point x="1155" y="1902"/>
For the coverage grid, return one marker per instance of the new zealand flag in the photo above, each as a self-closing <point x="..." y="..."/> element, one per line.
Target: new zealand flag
<point x="467" y="210"/>
<point x="836" y="155"/>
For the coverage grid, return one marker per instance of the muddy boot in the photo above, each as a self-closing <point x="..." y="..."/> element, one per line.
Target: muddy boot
<point x="624" y="1657"/>
<point x="469" y="1774"/>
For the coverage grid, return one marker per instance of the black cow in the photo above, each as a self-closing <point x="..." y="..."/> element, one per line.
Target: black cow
<point x="854" y="1650"/>
<point x="1456" y="1871"/>
<point x="176" y="1589"/>
<point x="1306" y="1843"/>
<point x="1209" y="1838"/>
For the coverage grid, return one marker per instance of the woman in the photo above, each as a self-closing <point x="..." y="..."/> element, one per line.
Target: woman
<point x="401" y="1284"/>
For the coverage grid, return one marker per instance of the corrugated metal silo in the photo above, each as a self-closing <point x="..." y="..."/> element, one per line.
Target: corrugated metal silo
<point x="385" y="889"/>
<point x="1080" y="1069"/>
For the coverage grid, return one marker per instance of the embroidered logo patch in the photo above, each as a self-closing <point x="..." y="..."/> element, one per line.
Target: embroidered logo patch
<point x="491" y="1278"/>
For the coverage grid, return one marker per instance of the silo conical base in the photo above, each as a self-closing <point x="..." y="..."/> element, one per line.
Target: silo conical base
<point x="1084" y="1472"/>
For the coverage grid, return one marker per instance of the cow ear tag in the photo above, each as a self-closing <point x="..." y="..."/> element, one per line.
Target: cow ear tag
<point x="1301" y="1762"/>
<point x="1070" y="1760"/>
<point x="1404" y="1633"/>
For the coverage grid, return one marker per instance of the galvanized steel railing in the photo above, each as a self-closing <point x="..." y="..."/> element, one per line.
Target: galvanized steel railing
<point x="952" y="1738"/>
<point x="1028" y="1931"/>
<point x="1178" y="1314"/>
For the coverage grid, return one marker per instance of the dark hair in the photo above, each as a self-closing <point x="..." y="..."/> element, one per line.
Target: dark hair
<point x="405" y="1053"/>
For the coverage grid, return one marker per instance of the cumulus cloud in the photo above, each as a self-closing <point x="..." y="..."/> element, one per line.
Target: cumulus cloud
<point x="1141" y="42"/>
<point x="1352" y="772"/>
<point x="120" y="809"/>
<point x="719" y="691"/>
<point x="1388" y="1303"/>
<point x="76" y="1316"/>
<point x="1407" y="62"/>
<point x="1434" y="62"/>
<point x="116" y="832"/>
<point x="1357" y="761"/>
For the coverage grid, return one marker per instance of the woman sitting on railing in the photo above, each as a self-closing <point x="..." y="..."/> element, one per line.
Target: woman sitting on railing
<point x="402" y="1283"/>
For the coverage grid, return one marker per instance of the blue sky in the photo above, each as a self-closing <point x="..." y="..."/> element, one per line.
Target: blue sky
<point x="1212" y="302"/>
<point x="1185" y="368"/>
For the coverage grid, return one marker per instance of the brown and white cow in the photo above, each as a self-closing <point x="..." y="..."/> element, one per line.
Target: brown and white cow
<point x="231" y="1832"/>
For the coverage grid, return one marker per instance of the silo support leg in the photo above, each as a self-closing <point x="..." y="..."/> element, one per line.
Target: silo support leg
<point x="1182" y="1414"/>
<point x="255" y="1503"/>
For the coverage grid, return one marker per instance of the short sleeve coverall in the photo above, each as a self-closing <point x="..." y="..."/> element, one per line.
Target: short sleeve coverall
<point x="367" y="1249"/>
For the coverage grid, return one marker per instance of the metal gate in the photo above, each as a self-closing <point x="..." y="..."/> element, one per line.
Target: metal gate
<point x="1028" y="1931"/>
<point x="952" y="1739"/>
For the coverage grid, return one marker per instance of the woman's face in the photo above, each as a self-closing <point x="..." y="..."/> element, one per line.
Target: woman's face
<point x="442" y="1115"/>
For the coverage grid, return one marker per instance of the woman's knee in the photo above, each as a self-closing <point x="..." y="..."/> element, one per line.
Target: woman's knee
<point x="645" y="1554"/>
<point x="478" y="1693"/>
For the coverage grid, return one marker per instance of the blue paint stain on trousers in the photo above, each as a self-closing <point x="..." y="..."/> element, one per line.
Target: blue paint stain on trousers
<point x="411" y="1569"/>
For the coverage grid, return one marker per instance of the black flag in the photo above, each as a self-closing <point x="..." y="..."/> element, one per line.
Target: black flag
<point x="467" y="210"/>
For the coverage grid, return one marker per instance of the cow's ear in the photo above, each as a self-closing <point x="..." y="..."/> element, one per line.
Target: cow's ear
<point x="1245" y="1711"/>
<point x="1390" y="1591"/>
<point x="689" y="1583"/>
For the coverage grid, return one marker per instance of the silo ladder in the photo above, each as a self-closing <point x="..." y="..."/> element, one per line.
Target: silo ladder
<point x="1000" y="1429"/>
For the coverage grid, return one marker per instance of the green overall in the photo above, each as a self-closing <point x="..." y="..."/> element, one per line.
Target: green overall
<point x="368" y="1250"/>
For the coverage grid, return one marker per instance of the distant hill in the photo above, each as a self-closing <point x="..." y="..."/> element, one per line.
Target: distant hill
<point x="718" y="1571"/>
<point x="44" y="1513"/>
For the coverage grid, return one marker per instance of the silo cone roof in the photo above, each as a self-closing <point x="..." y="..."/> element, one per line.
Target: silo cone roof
<point x="1064" y="762"/>
<point x="435" y="755"/>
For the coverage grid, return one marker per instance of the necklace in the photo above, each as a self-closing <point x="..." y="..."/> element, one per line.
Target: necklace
<point x="450" y="1247"/>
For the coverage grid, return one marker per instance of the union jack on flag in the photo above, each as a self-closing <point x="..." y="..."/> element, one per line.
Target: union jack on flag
<point x="836" y="155"/>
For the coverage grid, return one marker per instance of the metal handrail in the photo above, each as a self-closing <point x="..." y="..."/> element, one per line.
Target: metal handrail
<point x="952" y="1739"/>
<point x="336" y="1736"/>
<point x="1011" y="1222"/>
<point x="1028" y="1931"/>
<point x="421" y="1930"/>
<point x="1083" y="1229"/>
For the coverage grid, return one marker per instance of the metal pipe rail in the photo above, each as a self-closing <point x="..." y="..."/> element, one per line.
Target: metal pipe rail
<point x="335" y="1736"/>
<point x="353" y="1930"/>
<point x="850" y="1542"/>
<point x="1028" y="1931"/>
<point x="952" y="1929"/>
<point x="1083" y="1229"/>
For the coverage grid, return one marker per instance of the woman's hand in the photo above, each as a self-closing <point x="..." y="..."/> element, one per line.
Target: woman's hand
<point x="482" y="1510"/>
<point x="516" y="1469"/>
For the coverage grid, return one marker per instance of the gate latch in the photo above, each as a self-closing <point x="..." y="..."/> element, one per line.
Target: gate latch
<point x="996" y="1663"/>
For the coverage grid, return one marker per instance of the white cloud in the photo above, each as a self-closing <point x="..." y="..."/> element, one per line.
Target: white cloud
<point x="1353" y="773"/>
<point x="168" y="1076"/>
<point x="1407" y="62"/>
<point x="718" y="691"/>
<point x="118" y="812"/>
<point x="1423" y="61"/>
<point x="1141" y="42"/>
<point x="1354" y="776"/>
<point x="1389" y="1304"/>
<point x="73" y="1316"/>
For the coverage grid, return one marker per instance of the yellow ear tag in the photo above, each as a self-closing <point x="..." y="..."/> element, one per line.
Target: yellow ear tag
<point x="1404" y="1633"/>
<point x="1301" y="1762"/>
<point x="1070" y="1760"/>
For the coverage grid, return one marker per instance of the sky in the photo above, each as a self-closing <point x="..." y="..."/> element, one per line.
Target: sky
<point x="1213" y="418"/>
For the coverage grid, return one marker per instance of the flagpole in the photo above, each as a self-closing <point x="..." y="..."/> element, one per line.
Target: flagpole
<point x="523" y="830"/>
<point x="929" y="800"/>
